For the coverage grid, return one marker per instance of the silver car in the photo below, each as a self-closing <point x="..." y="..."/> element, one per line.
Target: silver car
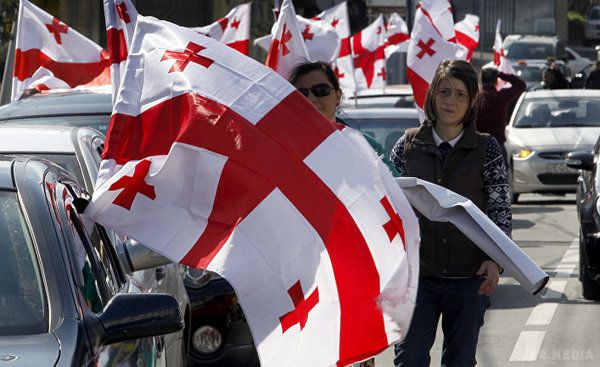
<point x="545" y="125"/>
<point x="78" y="150"/>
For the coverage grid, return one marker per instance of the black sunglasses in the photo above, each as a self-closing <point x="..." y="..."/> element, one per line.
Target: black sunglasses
<point x="318" y="90"/>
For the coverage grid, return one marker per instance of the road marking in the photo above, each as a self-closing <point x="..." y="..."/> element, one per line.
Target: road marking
<point x="542" y="314"/>
<point x="571" y="256"/>
<point x="564" y="270"/>
<point x="555" y="289"/>
<point x="575" y="244"/>
<point x="528" y="346"/>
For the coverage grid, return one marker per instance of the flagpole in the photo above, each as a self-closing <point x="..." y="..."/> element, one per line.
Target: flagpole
<point x="9" y="64"/>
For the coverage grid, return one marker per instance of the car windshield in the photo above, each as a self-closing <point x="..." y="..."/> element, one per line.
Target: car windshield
<point x="558" y="112"/>
<point x="386" y="131"/>
<point x="22" y="300"/>
<point x="595" y="14"/>
<point x="526" y="50"/>
<point x="98" y="122"/>
<point x="382" y="101"/>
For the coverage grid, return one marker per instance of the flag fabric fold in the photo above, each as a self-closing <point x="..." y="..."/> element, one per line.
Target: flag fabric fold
<point x="51" y="55"/>
<point x="397" y="35"/>
<point x="467" y="34"/>
<point x="369" y="56"/>
<point x="287" y="47"/>
<point x="215" y="161"/>
<point x="500" y="60"/>
<point x="120" y="17"/>
<point x="232" y="30"/>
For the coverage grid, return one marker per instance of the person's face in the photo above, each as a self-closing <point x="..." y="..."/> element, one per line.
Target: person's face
<point x="548" y="77"/>
<point x="451" y="101"/>
<point x="316" y="81"/>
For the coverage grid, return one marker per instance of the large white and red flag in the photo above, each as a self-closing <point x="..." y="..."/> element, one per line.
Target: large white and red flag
<point x="120" y="17"/>
<point x="337" y="16"/>
<point x="287" y="47"/>
<point x="322" y="41"/>
<point x="427" y="48"/>
<point x="232" y="30"/>
<point x="397" y="35"/>
<point x="439" y="13"/>
<point x="467" y="34"/>
<point x="369" y="56"/>
<point x="216" y="161"/>
<point x="500" y="60"/>
<point x="51" y="55"/>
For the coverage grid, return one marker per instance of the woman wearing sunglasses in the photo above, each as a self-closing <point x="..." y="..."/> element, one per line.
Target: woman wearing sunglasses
<point x="317" y="81"/>
<point x="456" y="277"/>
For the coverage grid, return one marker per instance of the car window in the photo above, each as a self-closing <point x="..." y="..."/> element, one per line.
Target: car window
<point x="98" y="122"/>
<point x="22" y="296"/>
<point x="595" y="14"/>
<point x="527" y="50"/>
<point x="386" y="131"/>
<point x="67" y="161"/>
<point x="100" y="277"/>
<point x="558" y="112"/>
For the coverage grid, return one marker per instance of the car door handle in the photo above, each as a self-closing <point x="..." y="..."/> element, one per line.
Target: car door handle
<point x="161" y="272"/>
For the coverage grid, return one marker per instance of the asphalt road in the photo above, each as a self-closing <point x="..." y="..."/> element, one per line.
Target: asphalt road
<point x="556" y="328"/>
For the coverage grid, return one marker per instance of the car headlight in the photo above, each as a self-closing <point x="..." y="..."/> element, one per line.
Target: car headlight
<point x="197" y="278"/>
<point x="522" y="153"/>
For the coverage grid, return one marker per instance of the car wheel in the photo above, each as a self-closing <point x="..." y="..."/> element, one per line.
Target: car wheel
<point x="515" y="198"/>
<point x="591" y="290"/>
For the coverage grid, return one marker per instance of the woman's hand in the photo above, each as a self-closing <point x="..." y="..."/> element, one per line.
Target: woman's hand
<point x="491" y="271"/>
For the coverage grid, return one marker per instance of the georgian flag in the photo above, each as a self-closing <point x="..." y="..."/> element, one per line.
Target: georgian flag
<point x="217" y="162"/>
<point x="427" y="48"/>
<point x="369" y="56"/>
<point x="337" y="16"/>
<point x="467" y="34"/>
<point x="51" y="55"/>
<point x="287" y="47"/>
<point x="500" y="60"/>
<point x="232" y="30"/>
<point x="439" y="13"/>
<point x="322" y="42"/>
<point x="397" y="35"/>
<point x="120" y="17"/>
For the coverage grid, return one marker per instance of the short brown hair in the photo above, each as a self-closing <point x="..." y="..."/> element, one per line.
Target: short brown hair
<point x="462" y="71"/>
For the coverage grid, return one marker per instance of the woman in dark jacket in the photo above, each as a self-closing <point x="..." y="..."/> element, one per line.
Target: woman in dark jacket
<point x="456" y="277"/>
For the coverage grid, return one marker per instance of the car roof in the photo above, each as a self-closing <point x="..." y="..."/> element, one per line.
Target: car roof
<point x="36" y="138"/>
<point x="376" y="113"/>
<point x="62" y="103"/>
<point x="531" y="38"/>
<point x="545" y="93"/>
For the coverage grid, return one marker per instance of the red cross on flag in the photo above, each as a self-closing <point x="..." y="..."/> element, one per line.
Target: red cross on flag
<point x="287" y="47"/>
<point x="232" y="30"/>
<point x="120" y="17"/>
<point x="51" y="55"/>
<point x="220" y="163"/>
<point x="396" y="35"/>
<point x="500" y="60"/>
<point x="467" y="34"/>
<point x="426" y="49"/>
<point x="368" y="56"/>
<point x="322" y="42"/>
<point x="337" y="16"/>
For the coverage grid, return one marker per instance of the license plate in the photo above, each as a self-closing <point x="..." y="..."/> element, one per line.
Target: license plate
<point x="559" y="168"/>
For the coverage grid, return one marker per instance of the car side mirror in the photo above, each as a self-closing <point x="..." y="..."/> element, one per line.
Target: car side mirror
<point x="131" y="316"/>
<point x="580" y="160"/>
<point x="135" y="256"/>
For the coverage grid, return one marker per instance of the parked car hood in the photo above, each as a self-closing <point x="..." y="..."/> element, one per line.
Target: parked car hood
<point x="29" y="350"/>
<point x="569" y="138"/>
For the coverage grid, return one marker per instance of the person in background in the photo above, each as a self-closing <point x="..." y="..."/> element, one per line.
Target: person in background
<point x="553" y="78"/>
<point x="317" y="81"/>
<point x="493" y="110"/>
<point x="456" y="278"/>
<point x="593" y="80"/>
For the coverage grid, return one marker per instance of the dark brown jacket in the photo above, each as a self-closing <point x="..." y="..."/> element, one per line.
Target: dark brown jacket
<point x="445" y="251"/>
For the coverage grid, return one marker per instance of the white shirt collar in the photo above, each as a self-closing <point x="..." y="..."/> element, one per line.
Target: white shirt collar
<point x="438" y="140"/>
